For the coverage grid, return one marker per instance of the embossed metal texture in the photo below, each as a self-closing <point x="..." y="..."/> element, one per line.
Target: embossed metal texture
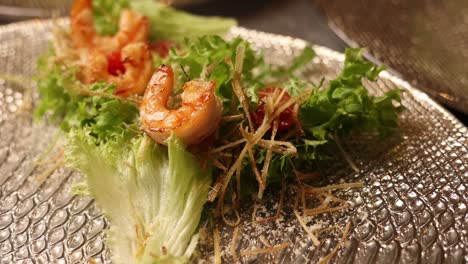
<point x="423" y="40"/>
<point x="412" y="208"/>
<point x="13" y="10"/>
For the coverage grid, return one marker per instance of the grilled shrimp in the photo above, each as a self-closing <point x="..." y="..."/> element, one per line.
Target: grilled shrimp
<point x="197" y="117"/>
<point x="137" y="69"/>
<point x="133" y="27"/>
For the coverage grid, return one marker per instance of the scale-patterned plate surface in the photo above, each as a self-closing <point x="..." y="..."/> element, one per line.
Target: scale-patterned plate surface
<point x="412" y="209"/>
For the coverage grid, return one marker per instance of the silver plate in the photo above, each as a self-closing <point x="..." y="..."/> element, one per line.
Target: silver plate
<point x="412" y="209"/>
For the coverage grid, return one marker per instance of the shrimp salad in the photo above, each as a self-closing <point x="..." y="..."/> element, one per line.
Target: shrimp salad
<point x="174" y="127"/>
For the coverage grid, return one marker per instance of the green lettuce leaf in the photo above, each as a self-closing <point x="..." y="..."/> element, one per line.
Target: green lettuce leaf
<point x="106" y="117"/>
<point x="166" y="23"/>
<point x="153" y="196"/>
<point x="56" y="102"/>
<point x="194" y="56"/>
<point x="107" y="15"/>
<point x="346" y="104"/>
<point x="302" y="59"/>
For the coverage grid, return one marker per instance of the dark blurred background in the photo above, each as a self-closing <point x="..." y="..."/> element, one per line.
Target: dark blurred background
<point x="383" y="26"/>
<point x="297" y="18"/>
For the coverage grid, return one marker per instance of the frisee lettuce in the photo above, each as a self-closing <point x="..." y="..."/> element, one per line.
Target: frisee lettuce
<point x="346" y="104"/>
<point x="56" y="101"/>
<point x="61" y="102"/>
<point x="153" y="196"/>
<point x="335" y="110"/>
<point x="196" y="56"/>
<point x="341" y="107"/>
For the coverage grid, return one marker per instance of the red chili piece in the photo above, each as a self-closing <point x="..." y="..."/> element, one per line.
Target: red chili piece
<point x="115" y="65"/>
<point x="286" y="118"/>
